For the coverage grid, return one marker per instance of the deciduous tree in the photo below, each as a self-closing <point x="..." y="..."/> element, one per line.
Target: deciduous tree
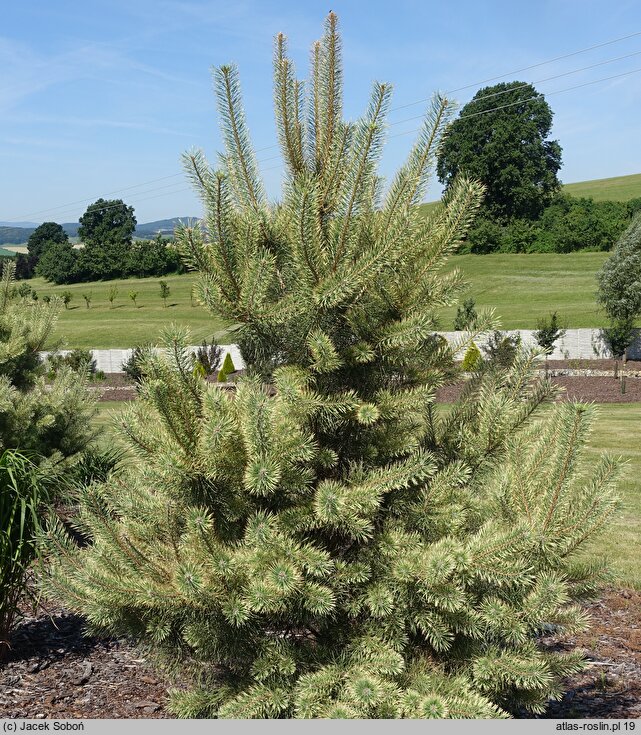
<point x="501" y="139"/>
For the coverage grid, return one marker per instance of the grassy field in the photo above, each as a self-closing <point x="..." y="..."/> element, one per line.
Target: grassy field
<point x="617" y="188"/>
<point x="520" y="288"/>
<point x="615" y="431"/>
<point x="126" y="325"/>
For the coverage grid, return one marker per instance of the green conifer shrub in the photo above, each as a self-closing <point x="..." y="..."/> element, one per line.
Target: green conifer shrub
<point x="471" y="358"/>
<point x="322" y="541"/>
<point x="49" y="420"/>
<point x="227" y="368"/>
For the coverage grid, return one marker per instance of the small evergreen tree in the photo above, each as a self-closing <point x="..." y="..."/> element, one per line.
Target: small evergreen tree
<point x="51" y="421"/>
<point x="165" y="290"/>
<point x="548" y="332"/>
<point x="227" y="368"/>
<point x="501" y="348"/>
<point x="466" y="316"/>
<point x="322" y="542"/>
<point x="132" y="366"/>
<point x="471" y="359"/>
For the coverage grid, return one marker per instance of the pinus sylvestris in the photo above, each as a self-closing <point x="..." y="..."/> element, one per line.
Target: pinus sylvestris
<point x="325" y="542"/>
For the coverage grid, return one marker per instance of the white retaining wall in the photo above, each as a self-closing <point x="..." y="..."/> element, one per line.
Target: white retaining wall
<point x="576" y="344"/>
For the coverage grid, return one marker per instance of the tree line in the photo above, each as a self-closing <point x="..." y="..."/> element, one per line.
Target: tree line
<point x="109" y="251"/>
<point x="501" y="139"/>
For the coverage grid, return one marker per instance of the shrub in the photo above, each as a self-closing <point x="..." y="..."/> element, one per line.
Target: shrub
<point x="548" y="332"/>
<point x="501" y="349"/>
<point x="471" y="358"/>
<point x="21" y="494"/>
<point x="132" y="367"/>
<point x="79" y="360"/>
<point x="208" y="357"/>
<point x="227" y="368"/>
<point x="466" y="316"/>
<point x="48" y="420"/>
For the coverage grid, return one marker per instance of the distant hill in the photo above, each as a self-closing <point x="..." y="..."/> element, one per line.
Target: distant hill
<point x="615" y="189"/>
<point x="13" y="234"/>
<point x="160" y="227"/>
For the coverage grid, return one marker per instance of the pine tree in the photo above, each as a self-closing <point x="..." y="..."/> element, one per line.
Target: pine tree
<point x="51" y="421"/>
<point x="323" y="541"/>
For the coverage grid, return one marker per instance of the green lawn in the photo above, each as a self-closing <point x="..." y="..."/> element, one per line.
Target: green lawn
<point x="616" y="430"/>
<point x="520" y="288"/>
<point x="615" y="189"/>
<point x="125" y="325"/>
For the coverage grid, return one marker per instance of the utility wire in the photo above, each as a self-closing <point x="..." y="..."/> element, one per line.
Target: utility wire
<point x="400" y="107"/>
<point x="527" y="68"/>
<point x="415" y="130"/>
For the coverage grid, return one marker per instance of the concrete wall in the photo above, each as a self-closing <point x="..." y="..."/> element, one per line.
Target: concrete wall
<point x="576" y="344"/>
<point x="581" y="344"/>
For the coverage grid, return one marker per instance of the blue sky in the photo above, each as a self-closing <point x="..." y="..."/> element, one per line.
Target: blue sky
<point x="97" y="97"/>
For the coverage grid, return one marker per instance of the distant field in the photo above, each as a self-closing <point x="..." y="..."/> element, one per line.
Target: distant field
<point x="521" y="288"/>
<point x="124" y="325"/>
<point x="618" y="188"/>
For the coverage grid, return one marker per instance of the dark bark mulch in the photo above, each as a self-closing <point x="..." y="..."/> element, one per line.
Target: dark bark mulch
<point x="584" y="388"/>
<point x="55" y="672"/>
<point x="610" y="686"/>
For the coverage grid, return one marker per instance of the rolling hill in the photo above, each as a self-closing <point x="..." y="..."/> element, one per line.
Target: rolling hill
<point x="617" y="188"/>
<point x="16" y="235"/>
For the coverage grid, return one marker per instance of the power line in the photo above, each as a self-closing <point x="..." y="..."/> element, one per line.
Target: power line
<point x="400" y="107"/>
<point x="88" y="199"/>
<point x="415" y="130"/>
<point x="527" y="68"/>
<point x="529" y="99"/>
<point x="509" y="73"/>
<point x="538" y="81"/>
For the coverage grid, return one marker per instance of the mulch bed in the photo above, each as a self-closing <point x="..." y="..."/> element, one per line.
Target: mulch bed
<point x="584" y="388"/>
<point x="55" y="672"/>
<point x="610" y="686"/>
